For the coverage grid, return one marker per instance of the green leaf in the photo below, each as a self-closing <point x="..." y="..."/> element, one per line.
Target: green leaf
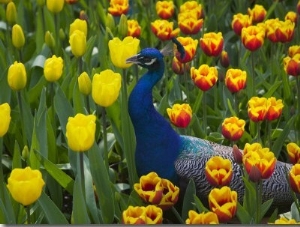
<point x="80" y="214"/>
<point x="280" y="141"/>
<point x="199" y="205"/>
<point x="265" y="207"/>
<point x="295" y="212"/>
<point x="60" y="176"/>
<point x="17" y="160"/>
<point x="243" y="215"/>
<point x="188" y="199"/>
<point x="103" y="185"/>
<point x="52" y="213"/>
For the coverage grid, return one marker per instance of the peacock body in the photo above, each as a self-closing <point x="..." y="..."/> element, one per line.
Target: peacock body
<point x="180" y="158"/>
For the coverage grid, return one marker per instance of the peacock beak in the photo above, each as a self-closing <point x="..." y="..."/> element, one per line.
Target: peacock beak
<point x="133" y="59"/>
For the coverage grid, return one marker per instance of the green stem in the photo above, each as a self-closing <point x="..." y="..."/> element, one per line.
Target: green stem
<point x="177" y="215"/>
<point x="52" y="93"/>
<point x="57" y="42"/>
<point x="204" y="114"/>
<point x="87" y="99"/>
<point x="258" y="201"/>
<point x="258" y="131"/>
<point x="253" y="74"/>
<point x="104" y="136"/>
<point x="81" y="166"/>
<point x="298" y="106"/>
<point x="27" y="208"/>
<point x="1" y="170"/>
<point x="269" y="123"/>
<point x="186" y="83"/>
<point x="21" y="117"/>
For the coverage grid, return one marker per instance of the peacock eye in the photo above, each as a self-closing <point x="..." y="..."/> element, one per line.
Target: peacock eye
<point x="147" y="60"/>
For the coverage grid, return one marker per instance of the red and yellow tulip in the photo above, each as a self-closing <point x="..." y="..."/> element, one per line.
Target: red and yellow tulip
<point x="204" y="218"/>
<point x="233" y="128"/>
<point x="235" y="79"/>
<point x="180" y="114"/>
<point x="205" y="77"/>
<point x="117" y="7"/>
<point x="239" y="22"/>
<point x="164" y="30"/>
<point x="190" y="46"/>
<point x="165" y="9"/>
<point x="253" y="37"/>
<point x="293" y="151"/>
<point x="294" y="178"/>
<point x="212" y="43"/>
<point x="275" y="109"/>
<point x="257" y="13"/>
<point x="257" y="108"/>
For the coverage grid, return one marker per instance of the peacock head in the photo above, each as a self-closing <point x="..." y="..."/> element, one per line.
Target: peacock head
<point x="151" y="58"/>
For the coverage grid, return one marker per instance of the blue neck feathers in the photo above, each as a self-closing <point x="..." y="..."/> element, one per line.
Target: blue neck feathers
<point x="158" y="145"/>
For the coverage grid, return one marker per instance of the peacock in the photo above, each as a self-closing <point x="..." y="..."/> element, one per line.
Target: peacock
<point x="180" y="158"/>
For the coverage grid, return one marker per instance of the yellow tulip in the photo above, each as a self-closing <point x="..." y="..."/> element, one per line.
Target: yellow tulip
<point x="55" y="6"/>
<point x="106" y="87"/>
<point x="5" y="118"/>
<point x="53" y="68"/>
<point x="16" y="76"/>
<point x="121" y="50"/>
<point x="25" y="185"/>
<point x="81" y="132"/>
<point x="142" y="215"/>
<point x="78" y="24"/>
<point x="18" y="38"/>
<point x="11" y="13"/>
<point x="285" y="221"/>
<point x="78" y="43"/>
<point x="84" y="83"/>
<point x="202" y="218"/>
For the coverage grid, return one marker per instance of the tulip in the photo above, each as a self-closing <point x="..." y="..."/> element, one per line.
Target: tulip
<point x="142" y="215"/>
<point x="150" y="188"/>
<point x="257" y="108"/>
<point x="292" y="16"/>
<point x="170" y="194"/>
<point x="53" y="68"/>
<point x="253" y="37"/>
<point x="41" y="3"/>
<point x="163" y="30"/>
<point x="237" y="155"/>
<point x="257" y="13"/>
<point x="118" y="7"/>
<point x="25" y="185"/>
<point x="218" y="171"/>
<point x="190" y="47"/>
<point x="235" y="79"/>
<point x="271" y="27"/>
<point x="78" y="43"/>
<point x="284" y="221"/>
<point x="275" y="109"/>
<point x="192" y="7"/>
<point x="55" y="6"/>
<point x="293" y="152"/>
<point x="178" y="67"/>
<point x="223" y="202"/>
<point x="202" y="218"/>
<point x="80" y="25"/>
<point x="18" y="39"/>
<point x="212" y="43"/>
<point x="49" y="39"/>
<point x="106" y="87"/>
<point x="280" y="31"/>
<point x="262" y="158"/>
<point x="164" y="9"/>
<point x="133" y="28"/>
<point x="5" y="118"/>
<point x="180" y="114"/>
<point x="224" y="60"/>
<point x="189" y="24"/>
<point x="291" y="65"/>
<point x="123" y="26"/>
<point x="121" y="50"/>
<point x="294" y="178"/>
<point x="11" y="13"/>
<point x="205" y="77"/>
<point x="80" y="132"/>
<point x="233" y="128"/>
<point x="134" y="215"/>
<point x="16" y="76"/>
<point x="293" y="50"/>
<point x="239" y="22"/>
<point x="84" y="83"/>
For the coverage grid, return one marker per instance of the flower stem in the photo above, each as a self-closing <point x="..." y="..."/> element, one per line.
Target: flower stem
<point x="258" y="201"/>
<point x="204" y="114"/>
<point x="81" y="164"/>
<point x="258" y="131"/>
<point x="186" y="83"/>
<point x="104" y="136"/>
<point x="177" y="215"/>
<point x="21" y="117"/>
<point x="27" y="208"/>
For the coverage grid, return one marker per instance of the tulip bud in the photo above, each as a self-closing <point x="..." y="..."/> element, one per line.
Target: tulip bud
<point x="83" y="15"/>
<point x="123" y="27"/>
<point x="55" y="6"/>
<point x="41" y="3"/>
<point x="255" y="174"/>
<point x="25" y="152"/>
<point x="62" y="34"/>
<point x="110" y="22"/>
<point x="84" y="83"/>
<point x="49" y="40"/>
<point x="16" y="76"/>
<point x="11" y="13"/>
<point x="237" y="154"/>
<point x="5" y="118"/>
<point x="78" y="43"/>
<point x="224" y="60"/>
<point x="18" y="39"/>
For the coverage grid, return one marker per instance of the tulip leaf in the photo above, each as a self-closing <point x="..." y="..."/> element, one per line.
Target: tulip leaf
<point x="199" y="205"/>
<point x="295" y="212"/>
<point x="277" y="146"/>
<point x="265" y="207"/>
<point x="17" y="160"/>
<point x="243" y="215"/>
<point x="51" y="211"/>
<point x="103" y="185"/>
<point x="188" y="199"/>
<point x="60" y="176"/>
<point x="80" y="214"/>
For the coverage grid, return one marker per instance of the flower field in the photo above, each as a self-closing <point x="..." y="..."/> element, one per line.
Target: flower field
<point x="67" y="142"/>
